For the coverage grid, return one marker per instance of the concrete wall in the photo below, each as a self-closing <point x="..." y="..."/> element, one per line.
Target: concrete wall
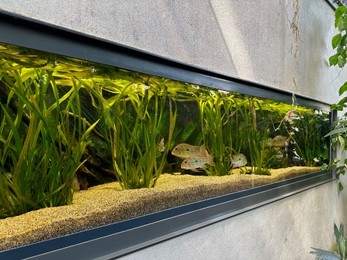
<point x="268" y="42"/>
<point x="254" y="40"/>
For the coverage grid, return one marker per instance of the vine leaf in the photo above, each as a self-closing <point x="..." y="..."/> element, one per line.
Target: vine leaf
<point x="336" y="39"/>
<point x="338" y="14"/>
<point x="343" y="89"/>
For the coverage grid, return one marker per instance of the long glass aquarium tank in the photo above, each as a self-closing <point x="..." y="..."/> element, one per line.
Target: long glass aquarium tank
<point x="108" y="144"/>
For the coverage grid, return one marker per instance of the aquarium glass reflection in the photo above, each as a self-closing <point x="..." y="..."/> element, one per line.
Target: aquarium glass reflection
<point x="68" y="124"/>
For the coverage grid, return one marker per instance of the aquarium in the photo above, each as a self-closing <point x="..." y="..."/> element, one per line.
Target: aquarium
<point x="68" y="125"/>
<point x="85" y="144"/>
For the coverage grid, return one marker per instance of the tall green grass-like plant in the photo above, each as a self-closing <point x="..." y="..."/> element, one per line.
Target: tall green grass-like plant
<point x="216" y="112"/>
<point x="256" y="136"/>
<point x="308" y="135"/>
<point x="133" y="117"/>
<point x="38" y="161"/>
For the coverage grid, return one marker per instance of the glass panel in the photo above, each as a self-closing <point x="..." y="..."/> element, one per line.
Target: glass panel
<point x="68" y="125"/>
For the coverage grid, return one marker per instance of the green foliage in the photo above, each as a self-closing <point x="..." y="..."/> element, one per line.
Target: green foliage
<point x="341" y="247"/>
<point x="310" y="141"/>
<point x="339" y="41"/>
<point x="340" y="240"/>
<point x="338" y="134"/>
<point x="257" y="135"/>
<point x="38" y="160"/>
<point x="216" y="112"/>
<point x="133" y="122"/>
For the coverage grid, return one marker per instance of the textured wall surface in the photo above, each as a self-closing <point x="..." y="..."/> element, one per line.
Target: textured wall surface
<point x="260" y="41"/>
<point x="267" y="42"/>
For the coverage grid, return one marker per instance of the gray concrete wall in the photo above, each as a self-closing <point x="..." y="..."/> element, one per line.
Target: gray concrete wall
<point x="254" y="40"/>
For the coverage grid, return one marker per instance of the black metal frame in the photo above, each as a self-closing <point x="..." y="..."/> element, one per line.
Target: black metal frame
<point x="121" y="238"/>
<point x="336" y="3"/>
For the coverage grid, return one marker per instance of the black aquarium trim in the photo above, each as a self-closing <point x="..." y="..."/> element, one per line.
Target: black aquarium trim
<point x="336" y="3"/>
<point x="29" y="33"/>
<point x="121" y="238"/>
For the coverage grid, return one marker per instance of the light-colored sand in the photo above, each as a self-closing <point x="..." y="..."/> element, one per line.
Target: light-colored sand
<point x="107" y="203"/>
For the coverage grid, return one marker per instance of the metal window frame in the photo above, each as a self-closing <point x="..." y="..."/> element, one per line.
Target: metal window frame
<point x="336" y="3"/>
<point x="121" y="238"/>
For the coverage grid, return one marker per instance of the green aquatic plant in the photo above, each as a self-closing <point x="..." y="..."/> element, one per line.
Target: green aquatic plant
<point x="40" y="144"/>
<point x="256" y="134"/>
<point x="216" y="114"/>
<point x="308" y="136"/>
<point x="132" y="120"/>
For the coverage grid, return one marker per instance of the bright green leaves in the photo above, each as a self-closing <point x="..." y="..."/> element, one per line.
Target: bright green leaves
<point x="339" y="41"/>
<point x="340" y="240"/>
<point x="336" y="39"/>
<point x="343" y="89"/>
<point x="340" y="57"/>
<point x="339" y="15"/>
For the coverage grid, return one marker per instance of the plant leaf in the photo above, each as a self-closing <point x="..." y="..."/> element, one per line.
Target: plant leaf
<point x="340" y="240"/>
<point x="340" y="186"/>
<point x="336" y="131"/>
<point x="343" y="89"/>
<point x="336" y="39"/>
<point x="341" y="61"/>
<point x="338" y="14"/>
<point x="333" y="59"/>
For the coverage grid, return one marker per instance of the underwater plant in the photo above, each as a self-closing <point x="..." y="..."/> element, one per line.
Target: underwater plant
<point x="41" y="145"/>
<point x="133" y="120"/>
<point x="308" y="136"/>
<point x="256" y="135"/>
<point x="215" y="116"/>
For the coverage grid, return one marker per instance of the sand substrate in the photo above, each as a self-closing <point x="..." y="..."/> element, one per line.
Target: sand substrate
<point x="107" y="203"/>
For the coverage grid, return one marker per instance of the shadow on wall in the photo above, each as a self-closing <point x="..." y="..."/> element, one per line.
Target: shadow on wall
<point x="256" y="39"/>
<point x="197" y="33"/>
<point x="317" y="34"/>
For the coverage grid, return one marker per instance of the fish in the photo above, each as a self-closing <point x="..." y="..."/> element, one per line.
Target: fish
<point x="184" y="151"/>
<point x="196" y="162"/>
<point x="161" y="145"/>
<point x="277" y="141"/>
<point x="280" y="141"/>
<point x="238" y="160"/>
<point x="291" y="115"/>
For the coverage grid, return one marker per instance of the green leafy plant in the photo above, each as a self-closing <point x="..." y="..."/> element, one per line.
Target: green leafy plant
<point x="341" y="247"/>
<point x="256" y="135"/>
<point x="38" y="160"/>
<point x="215" y="116"/>
<point x="133" y="118"/>
<point x="308" y="134"/>
<point x="338" y="134"/>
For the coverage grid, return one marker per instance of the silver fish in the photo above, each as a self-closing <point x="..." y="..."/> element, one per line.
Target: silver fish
<point x="197" y="162"/>
<point x="280" y="141"/>
<point x="277" y="141"/>
<point x="161" y="145"/>
<point x="238" y="160"/>
<point x="186" y="150"/>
